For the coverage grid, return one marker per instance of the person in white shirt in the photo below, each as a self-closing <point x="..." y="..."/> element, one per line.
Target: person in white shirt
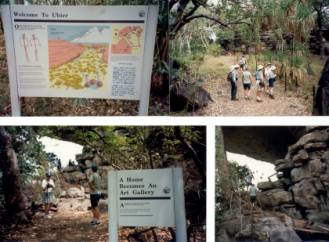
<point x="234" y="80"/>
<point x="246" y="80"/>
<point x="266" y="73"/>
<point x="243" y="62"/>
<point x="259" y="82"/>
<point x="271" y="81"/>
<point x="48" y="196"/>
<point x="253" y="193"/>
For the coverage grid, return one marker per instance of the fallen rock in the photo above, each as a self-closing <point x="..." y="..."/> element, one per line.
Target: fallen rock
<point x="283" y="165"/>
<point x="274" y="197"/>
<point x="269" y="185"/>
<point x="301" y="157"/>
<point x="305" y="194"/>
<point x="315" y="146"/>
<point x="313" y="137"/>
<point x="314" y="168"/>
<point x="75" y="192"/>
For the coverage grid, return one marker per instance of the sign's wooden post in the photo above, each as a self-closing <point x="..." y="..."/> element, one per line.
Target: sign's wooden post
<point x="113" y="211"/>
<point x="11" y="60"/>
<point x="179" y="202"/>
<point x="151" y="25"/>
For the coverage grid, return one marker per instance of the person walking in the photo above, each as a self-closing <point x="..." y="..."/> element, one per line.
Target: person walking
<point x="259" y="83"/>
<point x="243" y="62"/>
<point x="95" y="194"/>
<point x="234" y="79"/>
<point x="267" y="75"/>
<point x="246" y="81"/>
<point x="48" y="196"/>
<point x="271" y="81"/>
<point x="253" y="194"/>
<point x="248" y="179"/>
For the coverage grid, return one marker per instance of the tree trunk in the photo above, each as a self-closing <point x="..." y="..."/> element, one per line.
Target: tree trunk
<point x="15" y="201"/>
<point x="321" y="106"/>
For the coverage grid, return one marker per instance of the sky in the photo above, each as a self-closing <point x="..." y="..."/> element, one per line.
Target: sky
<point x="260" y="169"/>
<point x="63" y="149"/>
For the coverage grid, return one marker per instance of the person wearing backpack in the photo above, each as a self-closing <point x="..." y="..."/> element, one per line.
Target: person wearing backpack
<point x="259" y="82"/>
<point x="271" y="80"/>
<point x="232" y="77"/>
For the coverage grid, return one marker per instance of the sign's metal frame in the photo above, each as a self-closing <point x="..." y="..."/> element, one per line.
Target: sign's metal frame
<point x="149" y="42"/>
<point x="179" y="205"/>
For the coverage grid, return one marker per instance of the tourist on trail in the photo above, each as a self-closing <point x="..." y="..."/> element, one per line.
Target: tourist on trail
<point x="271" y="80"/>
<point x="233" y="76"/>
<point x="248" y="180"/>
<point x="48" y="195"/>
<point x="266" y="73"/>
<point x="259" y="82"/>
<point x="95" y="194"/>
<point x="243" y="62"/>
<point x="246" y="80"/>
<point x="253" y="193"/>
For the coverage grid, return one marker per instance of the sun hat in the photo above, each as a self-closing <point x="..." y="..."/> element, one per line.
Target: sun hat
<point x="273" y="68"/>
<point x="260" y="67"/>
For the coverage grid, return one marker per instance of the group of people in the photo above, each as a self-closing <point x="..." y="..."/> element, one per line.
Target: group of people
<point x="265" y="79"/>
<point x="94" y="182"/>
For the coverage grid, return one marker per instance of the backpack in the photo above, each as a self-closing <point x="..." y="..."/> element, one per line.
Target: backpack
<point x="229" y="76"/>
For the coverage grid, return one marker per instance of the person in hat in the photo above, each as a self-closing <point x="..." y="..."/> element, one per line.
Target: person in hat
<point x="95" y="194"/>
<point x="246" y="80"/>
<point x="259" y="82"/>
<point x="234" y="80"/>
<point x="267" y="73"/>
<point x="48" y="196"/>
<point x="271" y="81"/>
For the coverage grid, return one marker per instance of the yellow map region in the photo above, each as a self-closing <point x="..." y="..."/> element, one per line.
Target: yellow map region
<point x="126" y="40"/>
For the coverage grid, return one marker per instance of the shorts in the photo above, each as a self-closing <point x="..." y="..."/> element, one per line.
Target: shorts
<point x="271" y="82"/>
<point x="246" y="86"/>
<point x="48" y="197"/>
<point x="94" y="199"/>
<point x="253" y="199"/>
<point x="260" y="84"/>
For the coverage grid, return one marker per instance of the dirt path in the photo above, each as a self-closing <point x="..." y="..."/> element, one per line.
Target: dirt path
<point x="219" y="89"/>
<point x="72" y="223"/>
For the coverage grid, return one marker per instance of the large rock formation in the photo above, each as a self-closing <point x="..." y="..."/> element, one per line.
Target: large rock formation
<point x="302" y="189"/>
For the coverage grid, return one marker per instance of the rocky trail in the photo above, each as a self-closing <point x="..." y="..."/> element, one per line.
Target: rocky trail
<point x="71" y="222"/>
<point x="284" y="104"/>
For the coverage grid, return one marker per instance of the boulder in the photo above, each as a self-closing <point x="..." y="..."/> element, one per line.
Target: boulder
<point x="325" y="180"/>
<point x="319" y="217"/>
<point x="305" y="194"/>
<point x="75" y="177"/>
<point x="315" y="146"/>
<point x="274" y="197"/>
<point x="291" y="210"/>
<point x="269" y="185"/>
<point x="75" y="192"/>
<point x="314" y="168"/>
<point x="313" y="137"/>
<point x="270" y="229"/>
<point x="325" y="157"/>
<point x="69" y="169"/>
<point x="283" y="165"/>
<point x="301" y="157"/>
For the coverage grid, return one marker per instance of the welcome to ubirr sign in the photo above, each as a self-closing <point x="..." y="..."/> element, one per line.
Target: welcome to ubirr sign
<point x="80" y="51"/>
<point x="152" y="197"/>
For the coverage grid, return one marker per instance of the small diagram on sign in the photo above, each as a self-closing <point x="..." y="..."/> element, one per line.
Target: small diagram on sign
<point x="78" y="56"/>
<point x="30" y="44"/>
<point x="35" y="43"/>
<point x="127" y="40"/>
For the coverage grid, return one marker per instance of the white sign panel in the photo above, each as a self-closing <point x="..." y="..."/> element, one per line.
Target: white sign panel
<point x="145" y="198"/>
<point x="79" y="51"/>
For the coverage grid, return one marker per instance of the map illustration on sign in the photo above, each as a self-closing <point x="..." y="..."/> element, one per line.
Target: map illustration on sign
<point x="78" y="56"/>
<point x="126" y="39"/>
